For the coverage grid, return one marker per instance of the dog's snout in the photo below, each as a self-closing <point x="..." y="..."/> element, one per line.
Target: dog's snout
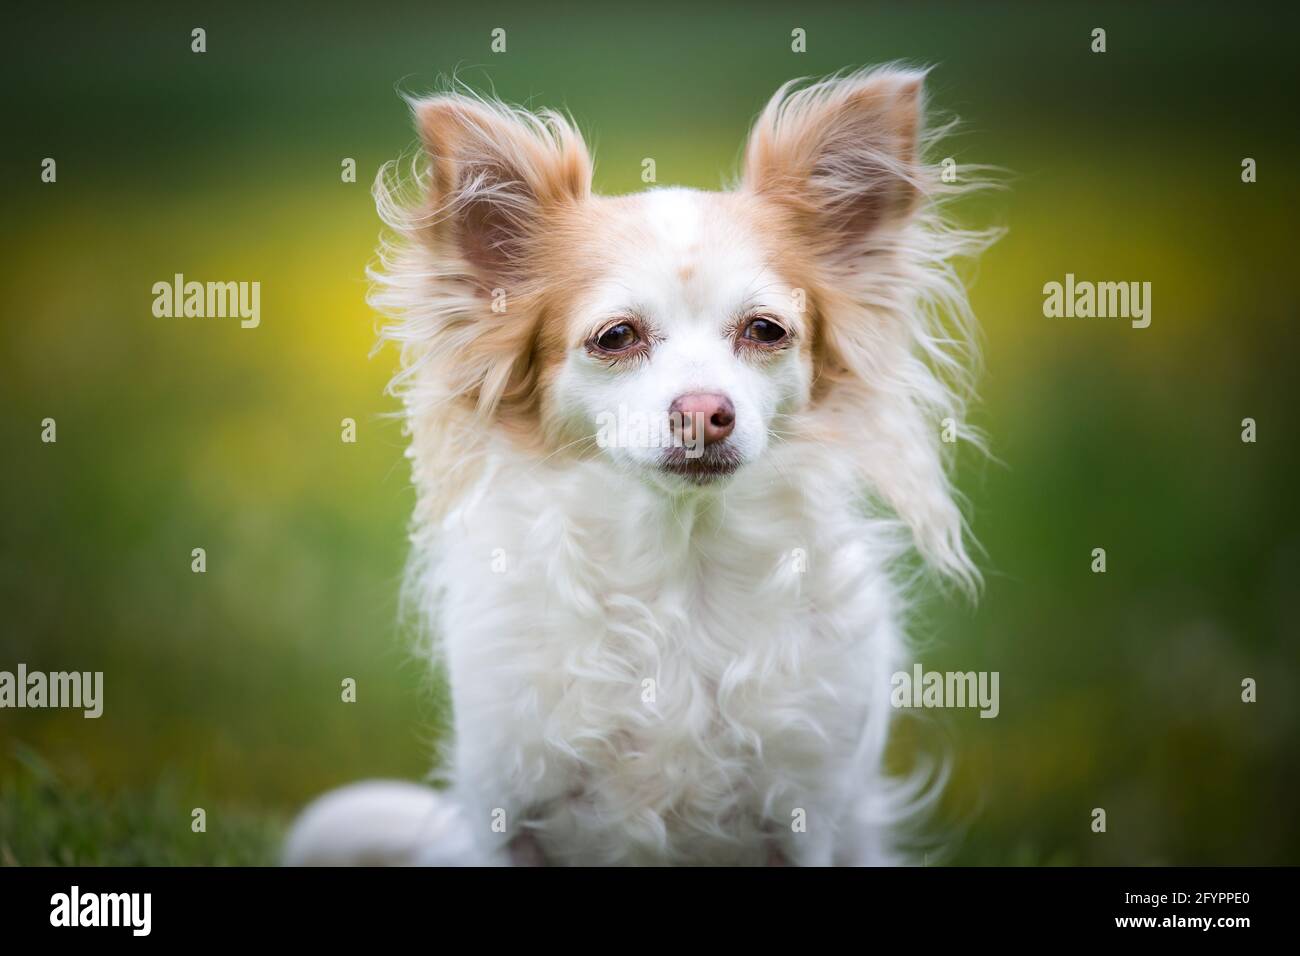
<point x="711" y="413"/>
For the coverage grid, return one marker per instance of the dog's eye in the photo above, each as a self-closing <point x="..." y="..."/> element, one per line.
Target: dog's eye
<point x="763" y="331"/>
<point x="617" y="338"/>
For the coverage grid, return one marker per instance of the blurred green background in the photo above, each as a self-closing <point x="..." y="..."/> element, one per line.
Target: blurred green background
<point x="1119" y="691"/>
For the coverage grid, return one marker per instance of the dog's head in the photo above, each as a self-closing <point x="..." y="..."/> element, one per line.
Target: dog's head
<point x="679" y="333"/>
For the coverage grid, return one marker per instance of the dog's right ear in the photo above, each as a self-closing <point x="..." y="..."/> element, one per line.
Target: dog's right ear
<point x="496" y="174"/>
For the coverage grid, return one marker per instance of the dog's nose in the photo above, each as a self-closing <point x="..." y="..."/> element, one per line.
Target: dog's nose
<point x="712" y="413"/>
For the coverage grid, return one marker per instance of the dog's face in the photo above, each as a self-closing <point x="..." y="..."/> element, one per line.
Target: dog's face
<point x="687" y="340"/>
<point x="674" y="331"/>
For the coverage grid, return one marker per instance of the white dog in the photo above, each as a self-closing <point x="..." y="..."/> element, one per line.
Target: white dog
<point x="671" y="451"/>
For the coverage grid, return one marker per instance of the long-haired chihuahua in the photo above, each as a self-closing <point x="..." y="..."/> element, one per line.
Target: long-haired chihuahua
<point x="672" y="451"/>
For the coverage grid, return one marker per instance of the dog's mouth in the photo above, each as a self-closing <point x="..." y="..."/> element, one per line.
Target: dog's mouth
<point x="713" y="463"/>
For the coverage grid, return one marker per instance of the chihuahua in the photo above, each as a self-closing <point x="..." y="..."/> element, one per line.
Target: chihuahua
<point x="672" y="451"/>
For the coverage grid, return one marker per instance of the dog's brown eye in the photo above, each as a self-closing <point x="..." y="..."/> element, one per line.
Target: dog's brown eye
<point x="765" y="331"/>
<point x="617" y="338"/>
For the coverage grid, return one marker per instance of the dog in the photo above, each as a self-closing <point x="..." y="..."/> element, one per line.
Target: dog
<point x="670" y="642"/>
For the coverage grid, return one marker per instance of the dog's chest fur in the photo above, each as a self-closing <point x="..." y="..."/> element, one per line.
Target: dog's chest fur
<point x="642" y="679"/>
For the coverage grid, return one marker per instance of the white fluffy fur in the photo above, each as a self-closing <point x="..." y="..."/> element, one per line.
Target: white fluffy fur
<point x="766" y="611"/>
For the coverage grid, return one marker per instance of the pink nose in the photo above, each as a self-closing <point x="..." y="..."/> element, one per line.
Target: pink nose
<point x="709" y="411"/>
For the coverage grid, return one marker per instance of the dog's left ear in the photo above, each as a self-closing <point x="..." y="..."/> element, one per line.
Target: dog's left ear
<point x="839" y="162"/>
<point x="840" y="156"/>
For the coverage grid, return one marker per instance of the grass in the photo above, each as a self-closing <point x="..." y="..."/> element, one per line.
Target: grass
<point x="47" y="819"/>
